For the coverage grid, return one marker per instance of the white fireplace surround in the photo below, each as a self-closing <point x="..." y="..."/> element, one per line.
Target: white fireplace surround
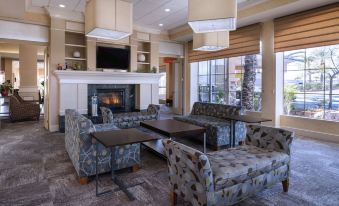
<point x="73" y="87"/>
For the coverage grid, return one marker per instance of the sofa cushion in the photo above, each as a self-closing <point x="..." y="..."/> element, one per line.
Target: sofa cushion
<point x="215" y="110"/>
<point x="236" y="165"/>
<point x="203" y="120"/>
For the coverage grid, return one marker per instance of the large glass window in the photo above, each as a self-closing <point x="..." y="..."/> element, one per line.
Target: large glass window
<point x="2" y="77"/>
<point x="311" y="82"/>
<point x="235" y="81"/>
<point x="162" y="86"/>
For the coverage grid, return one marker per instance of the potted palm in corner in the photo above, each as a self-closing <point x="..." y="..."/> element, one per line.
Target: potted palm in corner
<point x="6" y="88"/>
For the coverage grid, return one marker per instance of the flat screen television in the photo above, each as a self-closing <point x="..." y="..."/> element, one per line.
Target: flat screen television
<point x="113" y="58"/>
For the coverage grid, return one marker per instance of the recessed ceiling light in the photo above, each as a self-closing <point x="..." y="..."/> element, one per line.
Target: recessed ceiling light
<point x="161" y="25"/>
<point x="167" y="10"/>
<point x="62" y="5"/>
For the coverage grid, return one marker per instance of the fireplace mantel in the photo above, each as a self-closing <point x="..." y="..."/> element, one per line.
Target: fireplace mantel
<point x="96" y="77"/>
<point x="73" y="87"/>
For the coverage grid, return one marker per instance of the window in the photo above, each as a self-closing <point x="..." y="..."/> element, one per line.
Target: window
<point x="311" y="82"/>
<point x="235" y="81"/>
<point x="162" y="86"/>
<point x="2" y="77"/>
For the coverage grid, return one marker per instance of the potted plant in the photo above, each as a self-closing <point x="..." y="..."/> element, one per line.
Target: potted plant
<point x="6" y="88"/>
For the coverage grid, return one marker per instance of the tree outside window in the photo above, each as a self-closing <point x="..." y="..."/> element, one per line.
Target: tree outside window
<point x="311" y="82"/>
<point x="235" y="81"/>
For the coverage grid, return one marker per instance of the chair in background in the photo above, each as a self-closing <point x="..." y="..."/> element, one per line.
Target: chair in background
<point x="23" y="110"/>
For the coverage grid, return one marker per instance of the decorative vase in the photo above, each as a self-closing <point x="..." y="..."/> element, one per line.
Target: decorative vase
<point x="4" y="93"/>
<point x="141" y="57"/>
<point x="94" y="101"/>
<point x="76" y="54"/>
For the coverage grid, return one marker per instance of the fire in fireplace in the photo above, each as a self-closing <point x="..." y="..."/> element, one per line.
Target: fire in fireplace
<point x="112" y="98"/>
<point x="117" y="97"/>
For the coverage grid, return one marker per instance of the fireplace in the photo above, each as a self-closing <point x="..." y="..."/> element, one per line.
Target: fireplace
<point x="111" y="98"/>
<point x="117" y="97"/>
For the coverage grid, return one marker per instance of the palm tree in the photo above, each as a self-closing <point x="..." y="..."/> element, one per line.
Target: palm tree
<point x="248" y="84"/>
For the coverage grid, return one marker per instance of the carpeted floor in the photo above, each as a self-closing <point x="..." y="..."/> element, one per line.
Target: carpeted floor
<point x="35" y="170"/>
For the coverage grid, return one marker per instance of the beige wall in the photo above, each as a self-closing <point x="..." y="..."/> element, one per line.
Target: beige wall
<point x="91" y="53"/>
<point x="318" y="129"/>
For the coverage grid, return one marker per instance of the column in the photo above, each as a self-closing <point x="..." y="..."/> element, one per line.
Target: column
<point x="28" y="70"/>
<point x="154" y="58"/>
<point x="57" y="56"/>
<point x="272" y="77"/>
<point x="8" y="69"/>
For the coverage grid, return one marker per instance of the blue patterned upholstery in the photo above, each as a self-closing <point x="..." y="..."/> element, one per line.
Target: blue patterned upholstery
<point x="228" y="176"/>
<point x="130" y="119"/>
<point x="81" y="150"/>
<point x="211" y="116"/>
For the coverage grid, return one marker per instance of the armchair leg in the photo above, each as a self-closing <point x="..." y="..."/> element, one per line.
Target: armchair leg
<point x="135" y="168"/>
<point x="83" y="180"/>
<point x="174" y="198"/>
<point x="285" y="185"/>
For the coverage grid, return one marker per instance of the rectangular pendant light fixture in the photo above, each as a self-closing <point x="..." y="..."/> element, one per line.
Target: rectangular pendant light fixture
<point x="109" y="19"/>
<point x="212" y="15"/>
<point x="212" y="41"/>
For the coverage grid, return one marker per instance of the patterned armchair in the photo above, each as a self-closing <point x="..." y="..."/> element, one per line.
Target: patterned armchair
<point x="22" y="110"/>
<point x="210" y="116"/>
<point x="81" y="150"/>
<point x="229" y="176"/>
<point x="130" y="119"/>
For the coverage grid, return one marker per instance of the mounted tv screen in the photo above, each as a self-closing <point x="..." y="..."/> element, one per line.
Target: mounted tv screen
<point x="112" y="58"/>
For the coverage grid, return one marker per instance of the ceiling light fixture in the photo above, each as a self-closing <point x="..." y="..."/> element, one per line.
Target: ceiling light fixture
<point x="161" y="25"/>
<point x="211" y="16"/>
<point x="62" y="5"/>
<point x="109" y="19"/>
<point x="212" y="41"/>
<point x="167" y="10"/>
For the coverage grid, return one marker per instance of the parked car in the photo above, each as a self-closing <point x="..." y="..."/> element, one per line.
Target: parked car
<point x="301" y="104"/>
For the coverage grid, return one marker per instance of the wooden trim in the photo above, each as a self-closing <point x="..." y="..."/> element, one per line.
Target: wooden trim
<point x="312" y="28"/>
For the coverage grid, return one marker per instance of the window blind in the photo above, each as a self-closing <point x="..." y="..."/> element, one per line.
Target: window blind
<point x="312" y="28"/>
<point x="243" y="41"/>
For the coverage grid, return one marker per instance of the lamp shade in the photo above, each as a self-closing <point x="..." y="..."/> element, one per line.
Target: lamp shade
<point x="212" y="15"/>
<point x="108" y="19"/>
<point x="212" y="41"/>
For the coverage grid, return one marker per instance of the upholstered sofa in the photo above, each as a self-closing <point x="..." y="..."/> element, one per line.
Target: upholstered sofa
<point x="228" y="176"/>
<point x="130" y="119"/>
<point x="210" y="116"/>
<point x="81" y="150"/>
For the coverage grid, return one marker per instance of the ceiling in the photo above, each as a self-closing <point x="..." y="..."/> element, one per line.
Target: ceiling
<point x="147" y="13"/>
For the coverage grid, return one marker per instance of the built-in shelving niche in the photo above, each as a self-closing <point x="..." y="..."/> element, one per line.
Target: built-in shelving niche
<point x="75" y="41"/>
<point x="144" y="48"/>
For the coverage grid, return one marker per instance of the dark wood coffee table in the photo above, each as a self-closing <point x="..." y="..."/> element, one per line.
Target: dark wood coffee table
<point x="171" y="128"/>
<point x="113" y="138"/>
